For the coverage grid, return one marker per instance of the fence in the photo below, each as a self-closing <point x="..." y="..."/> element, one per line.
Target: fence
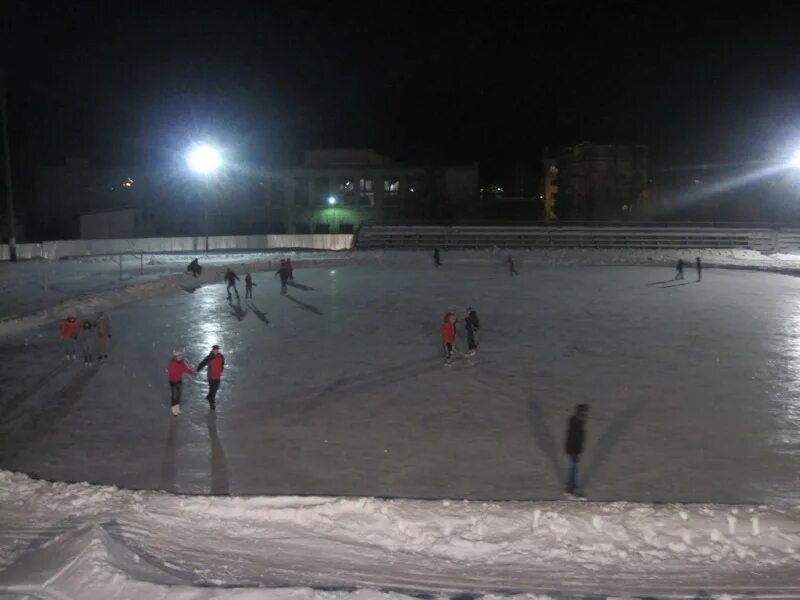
<point x="651" y="237"/>
<point x="66" y="248"/>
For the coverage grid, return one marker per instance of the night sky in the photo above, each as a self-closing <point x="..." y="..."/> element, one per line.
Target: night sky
<point x="129" y="82"/>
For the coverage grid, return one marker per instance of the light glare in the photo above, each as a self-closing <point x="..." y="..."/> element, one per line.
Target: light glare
<point x="204" y="159"/>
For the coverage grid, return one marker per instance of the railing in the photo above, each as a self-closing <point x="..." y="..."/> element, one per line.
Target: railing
<point x="652" y="237"/>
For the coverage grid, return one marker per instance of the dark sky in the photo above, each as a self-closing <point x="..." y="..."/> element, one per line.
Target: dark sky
<point x="122" y="82"/>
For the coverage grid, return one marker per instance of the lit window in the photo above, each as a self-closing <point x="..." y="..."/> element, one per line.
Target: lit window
<point x="347" y="191"/>
<point x="366" y="192"/>
<point x="391" y="191"/>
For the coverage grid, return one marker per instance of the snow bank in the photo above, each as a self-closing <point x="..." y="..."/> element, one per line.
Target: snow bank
<point x="83" y="541"/>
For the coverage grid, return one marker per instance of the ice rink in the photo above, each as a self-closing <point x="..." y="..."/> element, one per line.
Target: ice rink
<point x="339" y="388"/>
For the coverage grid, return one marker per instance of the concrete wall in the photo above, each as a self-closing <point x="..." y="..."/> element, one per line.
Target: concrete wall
<point x="61" y="249"/>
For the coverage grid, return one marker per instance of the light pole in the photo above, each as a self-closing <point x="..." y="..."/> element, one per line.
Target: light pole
<point x="205" y="160"/>
<point x="332" y="202"/>
<point x="12" y="238"/>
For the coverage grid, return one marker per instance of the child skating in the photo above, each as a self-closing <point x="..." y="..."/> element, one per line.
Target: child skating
<point x="449" y="336"/>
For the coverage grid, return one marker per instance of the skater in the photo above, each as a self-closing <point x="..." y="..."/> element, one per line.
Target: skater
<point x="175" y="372"/>
<point x="215" y="362"/>
<point x="103" y="327"/>
<point x="86" y="337"/>
<point x="437" y="262"/>
<point x="574" y="446"/>
<point x="231" y="278"/>
<point x="283" y="272"/>
<point x="248" y="286"/>
<point x="473" y="324"/>
<point x="69" y="337"/>
<point x="194" y="268"/>
<point x="290" y="267"/>
<point x="449" y="335"/>
<point x="679" y="269"/>
<point x="512" y="269"/>
<point x="699" y="269"/>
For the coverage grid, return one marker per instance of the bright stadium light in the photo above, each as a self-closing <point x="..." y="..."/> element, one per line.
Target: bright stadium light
<point x="204" y="159"/>
<point x="331" y="200"/>
<point x="795" y="162"/>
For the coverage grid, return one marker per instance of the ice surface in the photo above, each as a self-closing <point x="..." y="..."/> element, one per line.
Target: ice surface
<point x="339" y="388"/>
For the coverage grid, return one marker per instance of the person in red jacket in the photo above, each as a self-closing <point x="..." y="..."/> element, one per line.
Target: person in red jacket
<point x="175" y="372"/>
<point x="215" y="362"/>
<point x="449" y="335"/>
<point x="69" y="335"/>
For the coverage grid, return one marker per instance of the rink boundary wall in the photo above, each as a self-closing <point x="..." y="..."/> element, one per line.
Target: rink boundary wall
<point x="640" y="238"/>
<point x="68" y="248"/>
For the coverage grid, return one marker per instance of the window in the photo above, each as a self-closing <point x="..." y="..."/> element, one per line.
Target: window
<point x="345" y="228"/>
<point x="301" y="191"/>
<point x="366" y="192"/>
<point x="347" y="191"/>
<point x="391" y="191"/>
<point x="302" y="228"/>
<point x="321" y="191"/>
<point x="322" y="228"/>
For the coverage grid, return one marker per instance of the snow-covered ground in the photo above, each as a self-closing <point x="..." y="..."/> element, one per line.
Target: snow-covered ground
<point x="338" y="389"/>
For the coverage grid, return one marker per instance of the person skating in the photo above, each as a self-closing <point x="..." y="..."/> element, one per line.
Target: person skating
<point x="679" y="269"/>
<point x="699" y="269"/>
<point x="437" y="260"/>
<point x="283" y="273"/>
<point x="86" y="340"/>
<point x="574" y="446"/>
<point x="215" y="361"/>
<point x="103" y="326"/>
<point x="69" y="337"/>
<point x="472" y="324"/>
<point x="175" y="372"/>
<point x="449" y="335"/>
<point x="512" y="269"/>
<point x="248" y="286"/>
<point x="194" y="268"/>
<point x="231" y="278"/>
<point x="290" y="268"/>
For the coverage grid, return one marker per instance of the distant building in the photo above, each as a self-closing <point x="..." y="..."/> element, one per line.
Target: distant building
<point x="594" y="182"/>
<point x="332" y="191"/>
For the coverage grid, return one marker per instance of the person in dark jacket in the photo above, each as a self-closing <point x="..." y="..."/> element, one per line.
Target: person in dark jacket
<point x="215" y="362"/>
<point x="437" y="260"/>
<point x="290" y="268"/>
<point x="284" y="273"/>
<point x="248" y="286"/>
<point x="231" y="278"/>
<point x="194" y="268"/>
<point x="699" y="269"/>
<point x="679" y="269"/>
<point x="575" y="437"/>
<point x="473" y="324"/>
<point x="512" y="268"/>
<point x="86" y="338"/>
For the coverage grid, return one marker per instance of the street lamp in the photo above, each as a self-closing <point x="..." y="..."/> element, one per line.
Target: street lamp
<point x="332" y="202"/>
<point x="795" y="161"/>
<point x="204" y="160"/>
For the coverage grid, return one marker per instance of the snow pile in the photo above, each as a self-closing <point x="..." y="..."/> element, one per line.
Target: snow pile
<point x="82" y="541"/>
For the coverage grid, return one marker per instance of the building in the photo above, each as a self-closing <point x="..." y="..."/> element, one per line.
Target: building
<point x="332" y="191"/>
<point x="596" y="182"/>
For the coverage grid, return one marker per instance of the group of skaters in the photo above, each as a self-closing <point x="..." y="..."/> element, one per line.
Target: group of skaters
<point x="285" y="272"/>
<point x="90" y="337"/>
<point x="214" y="363"/>
<point x="472" y="325"/>
<point x="681" y="264"/>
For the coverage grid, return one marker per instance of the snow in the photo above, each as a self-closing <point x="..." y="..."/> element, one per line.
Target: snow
<point x="83" y="541"/>
<point x="337" y="392"/>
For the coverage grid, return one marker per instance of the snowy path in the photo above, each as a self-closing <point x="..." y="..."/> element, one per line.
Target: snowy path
<point x="340" y="390"/>
<point x="78" y="541"/>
